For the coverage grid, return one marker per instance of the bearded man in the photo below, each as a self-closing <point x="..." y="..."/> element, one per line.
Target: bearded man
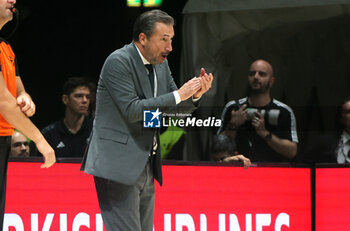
<point x="263" y="128"/>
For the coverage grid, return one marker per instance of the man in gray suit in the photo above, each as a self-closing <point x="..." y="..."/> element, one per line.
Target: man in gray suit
<point x="123" y="156"/>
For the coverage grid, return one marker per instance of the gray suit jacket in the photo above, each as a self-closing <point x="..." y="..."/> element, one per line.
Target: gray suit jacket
<point x="120" y="146"/>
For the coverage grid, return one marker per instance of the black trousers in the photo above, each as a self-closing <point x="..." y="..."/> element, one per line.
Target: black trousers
<point x="4" y="155"/>
<point x="127" y="207"/>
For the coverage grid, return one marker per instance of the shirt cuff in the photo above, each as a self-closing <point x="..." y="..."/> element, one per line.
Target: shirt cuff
<point x="177" y="97"/>
<point x="195" y="100"/>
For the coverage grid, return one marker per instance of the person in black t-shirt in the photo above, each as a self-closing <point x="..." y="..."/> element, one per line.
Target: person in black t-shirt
<point x="263" y="128"/>
<point x="69" y="136"/>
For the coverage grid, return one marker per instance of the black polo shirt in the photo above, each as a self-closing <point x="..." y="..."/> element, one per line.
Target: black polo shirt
<point x="250" y="144"/>
<point x="65" y="143"/>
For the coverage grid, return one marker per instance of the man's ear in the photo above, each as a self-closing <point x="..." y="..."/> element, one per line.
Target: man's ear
<point x="65" y="99"/>
<point x="142" y="38"/>
<point x="272" y="81"/>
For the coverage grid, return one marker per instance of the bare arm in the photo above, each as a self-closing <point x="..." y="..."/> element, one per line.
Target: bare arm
<point x="24" y="100"/>
<point x="286" y="147"/>
<point x="239" y="157"/>
<point x="11" y="111"/>
<point x="283" y="146"/>
<point x="19" y="85"/>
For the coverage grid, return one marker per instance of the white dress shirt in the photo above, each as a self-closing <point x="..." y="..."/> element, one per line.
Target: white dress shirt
<point x="343" y="148"/>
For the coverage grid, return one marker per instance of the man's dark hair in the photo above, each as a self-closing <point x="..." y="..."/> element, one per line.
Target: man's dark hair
<point x="223" y="143"/>
<point x="145" y="23"/>
<point x="339" y="112"/>
<point x="74" y="82"/>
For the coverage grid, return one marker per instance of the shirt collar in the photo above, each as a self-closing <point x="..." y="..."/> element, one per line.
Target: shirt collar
<point x="267" y="106"/>
<point x="346" y="137"/>
<point x="87" y="125"/>
<point x="144" y="60"/>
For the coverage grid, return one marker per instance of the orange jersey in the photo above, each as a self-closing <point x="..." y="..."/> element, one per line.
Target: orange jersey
<point x="9" y="72"/>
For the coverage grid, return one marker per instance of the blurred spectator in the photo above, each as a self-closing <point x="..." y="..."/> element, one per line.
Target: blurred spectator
<point x="223" y="146"/>
<point x="223" y="150"/>
<point x="19" y="145"/>
<point x="69" y="136"/>
<point x="263" y="128"/>
<point x="335" y="146"/>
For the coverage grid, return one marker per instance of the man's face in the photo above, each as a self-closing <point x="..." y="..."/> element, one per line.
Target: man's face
<point x="260" y="77"/>
<point x="345" y="116"/>
<point x="19" y="145"/>
<point x="78" y="101"/>
<point x="5" y="10"/>
<point x="158" y="46"/>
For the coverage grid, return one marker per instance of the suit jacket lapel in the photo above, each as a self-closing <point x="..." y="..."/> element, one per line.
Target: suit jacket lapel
<point x="141" y="73"/>
<point x="162" y="87"/>
<point x="159" y="87"/>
